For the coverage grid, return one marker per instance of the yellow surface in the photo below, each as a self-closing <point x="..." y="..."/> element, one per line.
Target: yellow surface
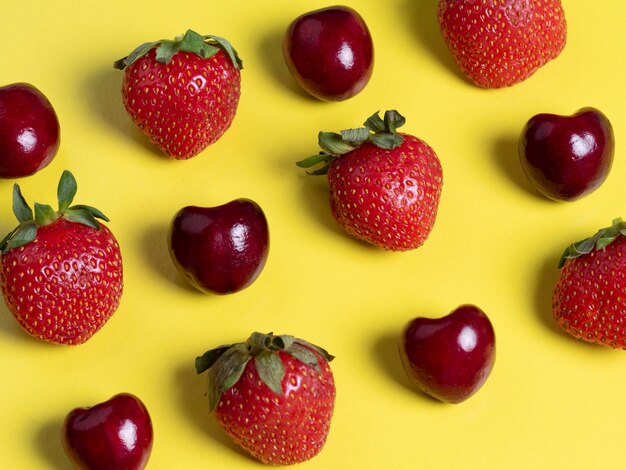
<point x="551" y="401"/>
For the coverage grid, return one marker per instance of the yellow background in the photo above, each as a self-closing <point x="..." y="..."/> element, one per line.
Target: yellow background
<point x="551" y="401"/>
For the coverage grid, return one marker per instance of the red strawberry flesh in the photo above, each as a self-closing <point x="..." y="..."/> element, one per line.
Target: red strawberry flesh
<point x="498" y="43"/>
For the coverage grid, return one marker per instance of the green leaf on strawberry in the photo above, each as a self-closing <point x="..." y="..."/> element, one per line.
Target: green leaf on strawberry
<point x="355" y="136"/>
<point x="66" y="190"/>
<point x="165" y="49"/>
<point x="44" y="214"/>
<point x="225" y="371"/>
<point x="337" y="144"/>
<point x="20" y="207"/>
<point x="386" y="141"/>
<point x="302" y="352"/>
<point x="271" y="371"/>
<point x="381" y="132"/>
<point x="226" y="363"/>
<point x="227" y="47"/>
<point x="23" y="234"/>
<point x="600" y="240"/>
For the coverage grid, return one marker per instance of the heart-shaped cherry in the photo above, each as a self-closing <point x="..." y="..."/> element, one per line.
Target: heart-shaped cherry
<point x="567" y="157"/>
<point x="29" y="130"/>
<point x="113" y="435"/>
<point x="330" y="52"/>
<point x="220" y="249"/>
<point x="449" y="358"/>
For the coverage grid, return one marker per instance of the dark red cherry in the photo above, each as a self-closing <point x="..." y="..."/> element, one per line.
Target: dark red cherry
<point x="220" y="249"/>
<point x="329" y="52"/>
<point x="451" y="357"/>
<point x="113" y="435"/>
<point x="567" y="157"/>
<point x="29" y="131"/>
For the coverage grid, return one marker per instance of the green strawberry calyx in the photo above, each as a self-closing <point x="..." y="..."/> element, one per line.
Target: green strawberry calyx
<point x="44" y="214"/>
<point x="600" y="240"/>
<point x="381" y="132"/>
<point x="204" y="46"/>
<point x="226" y="364"/>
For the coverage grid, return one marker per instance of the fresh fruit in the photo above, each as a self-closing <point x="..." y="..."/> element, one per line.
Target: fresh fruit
<point x="113" y="435"/>
<point x="588" y="300"/>
<point x="60" y="272"/>
<point x="273" y="395"/>
<point x="567" y="157"/>
<point x="220" y="249"/>
<point x="451" y="357"/>
<point x="329" y="52"/>
<point x="498" y="43"/>
<point x="183" y="94"/>
<point x="29" y="130"/>
<point x="384" y="186"/>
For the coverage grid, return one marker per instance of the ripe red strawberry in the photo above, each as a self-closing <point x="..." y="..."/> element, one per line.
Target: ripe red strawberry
<point x="60" y="272"/>
<point x="589" y="299"/>
<point x="273" y="395"/>
<point x="384" y="186"/>
<point x="498" y="43"/>
<point x="183" y="94"/>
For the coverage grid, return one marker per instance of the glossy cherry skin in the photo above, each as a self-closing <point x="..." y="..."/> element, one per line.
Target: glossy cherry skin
<point x="113" y="435"/>
<point x="330" y="52"/>
<point x="567" y="157"/>
<point x="451" y="357"/>
<point x="220" y="249"/>
<point x="29" y="131"/>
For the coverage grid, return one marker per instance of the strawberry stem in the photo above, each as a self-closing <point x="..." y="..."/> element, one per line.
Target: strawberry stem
<point x="599" y="241"/>
<point x="381" y="132"/>
<point x="192" y="42"/>
<point x="43" y="215"/>
<point x="226" y="364"/>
